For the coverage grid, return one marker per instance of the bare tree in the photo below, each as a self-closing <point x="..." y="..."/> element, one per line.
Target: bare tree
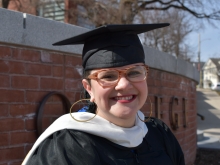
<point x="198" y="8"/>
<point x="4" y="3"/>
<point x="170" y="40"/>
<point x="94" y="13"/>
<point x="26" y="6"/>
<point x="124" y="11"/>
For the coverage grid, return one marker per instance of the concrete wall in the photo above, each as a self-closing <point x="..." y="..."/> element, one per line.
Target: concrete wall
<point x="41" y="33"/>
<point x="30" y="68"/>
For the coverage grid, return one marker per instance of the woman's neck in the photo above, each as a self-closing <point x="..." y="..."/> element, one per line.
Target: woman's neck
<point x="121" y="122"/>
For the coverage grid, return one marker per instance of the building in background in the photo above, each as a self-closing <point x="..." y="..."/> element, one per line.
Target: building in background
<point x="59" y="10"/>
<point x="199" y="66"/>
<point x="211" y="72"/>
<point x="52" y="10"/>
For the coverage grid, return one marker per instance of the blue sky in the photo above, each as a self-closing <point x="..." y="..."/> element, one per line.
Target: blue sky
<point x="210" y="42"/>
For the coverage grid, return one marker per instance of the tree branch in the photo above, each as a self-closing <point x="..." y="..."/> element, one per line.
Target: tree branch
<point x="181" y="6"/>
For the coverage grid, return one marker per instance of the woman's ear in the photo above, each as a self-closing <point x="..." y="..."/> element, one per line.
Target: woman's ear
<point x="88" y="88"/>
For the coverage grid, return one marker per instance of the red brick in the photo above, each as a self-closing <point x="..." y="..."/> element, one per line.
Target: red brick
<point x="16" y="162"/>
<point x="54" y="99"/>
<point x="28" y="148"/>
<point x="54" y="109"/>
<point x="190" y="131"/>
<point x="72" y="73"/>
<point x="165" y="91"/>
<point x="45" y="57"/>
<point x="5" y="52"/>
<point x="71" y="84"/>
<point x="57" y="58"/>
<point x="58" y="71"/>
<point x="30" y="124"/>
<point x="35" y="96"/>
<point x="47" y="121"/>
<point x="26" y="55"/>
<point x="11" y="96"/>
<point x="146" y="109"/>
<point x="23" y="109"/>
<point x="4" y="66"/>
<point x="179" y="80"/>
<point x="10" y="154"/>
<point x="39" y="69"/>
<point x="25" y="82"/>
<point x="72" y="97"/>
<point x="154" y="90"/>
<point x="73" y="60"/>
<point x="158" y="75"/>
<point x="3" y="110"/>
<point x="23" y="137"/>
<point x="168" y="76"/>
<point x="157" y="83"/>
<point x="191" y="112"/>
<point x="4" y="81"/>
<point x="11" y="124"/>
<point x="3" y="163"/>
<point x="17" y="67"/>
<point x="150" y="82"/>
<point x="169" y="84"/>
<point x="51" y="83"/>
<point x="78" y="96"/>
<point x="4" y="139"/>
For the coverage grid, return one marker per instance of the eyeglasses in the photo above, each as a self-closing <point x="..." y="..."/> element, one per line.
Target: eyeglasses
<point x="110" y="77"/>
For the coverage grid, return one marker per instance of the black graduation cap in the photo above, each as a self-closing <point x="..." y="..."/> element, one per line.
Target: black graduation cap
<point x="111" y="45"/>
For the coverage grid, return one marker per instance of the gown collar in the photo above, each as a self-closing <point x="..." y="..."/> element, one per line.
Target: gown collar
<point x="127" y="137"/>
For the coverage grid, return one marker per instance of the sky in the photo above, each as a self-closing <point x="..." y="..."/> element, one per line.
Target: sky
<point x="210" y="42"/>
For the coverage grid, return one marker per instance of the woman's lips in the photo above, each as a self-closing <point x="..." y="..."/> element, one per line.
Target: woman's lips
<point x="124" y="99"/>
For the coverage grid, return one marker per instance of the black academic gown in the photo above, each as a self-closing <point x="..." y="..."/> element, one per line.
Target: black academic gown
<point x="71" y="147"/>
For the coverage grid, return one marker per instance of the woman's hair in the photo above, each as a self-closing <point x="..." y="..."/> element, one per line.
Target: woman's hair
<point x="91" y="105"/>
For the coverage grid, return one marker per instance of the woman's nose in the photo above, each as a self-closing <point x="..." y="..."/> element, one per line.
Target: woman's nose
<point x="123" y="83"/>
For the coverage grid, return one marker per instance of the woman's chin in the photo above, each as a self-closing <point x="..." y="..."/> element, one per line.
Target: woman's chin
<point x="126" y="113"/>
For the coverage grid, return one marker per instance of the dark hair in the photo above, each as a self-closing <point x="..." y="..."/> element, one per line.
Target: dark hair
<point x="91" y="105"/>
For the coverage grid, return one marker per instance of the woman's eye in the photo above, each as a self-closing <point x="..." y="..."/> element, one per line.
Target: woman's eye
<point x="108" y="77"/>
<point x="134" y="73"/>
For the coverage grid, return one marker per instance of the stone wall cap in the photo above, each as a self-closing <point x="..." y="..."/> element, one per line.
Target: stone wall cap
<point x="41" y="33"/>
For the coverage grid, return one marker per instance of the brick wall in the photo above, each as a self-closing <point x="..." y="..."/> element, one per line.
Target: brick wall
<point x="28" y="74"/>
<point x="167" y="85"/>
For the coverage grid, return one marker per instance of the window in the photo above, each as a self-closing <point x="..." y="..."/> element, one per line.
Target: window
<point x="54" y="10"/>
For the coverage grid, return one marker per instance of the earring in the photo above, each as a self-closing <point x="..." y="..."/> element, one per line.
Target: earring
<point x="75" y="118"/>
<point x="146" y="120"/>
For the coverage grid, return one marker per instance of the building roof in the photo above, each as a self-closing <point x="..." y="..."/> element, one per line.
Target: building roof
<point x="195" y="64"/>
<point x="216" y="61"/>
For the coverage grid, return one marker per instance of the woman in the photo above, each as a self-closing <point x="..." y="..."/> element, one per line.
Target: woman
<point x="112" y="131"/>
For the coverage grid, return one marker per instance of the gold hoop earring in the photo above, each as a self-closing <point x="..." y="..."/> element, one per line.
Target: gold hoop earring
<point x="146" y="120"/>
<point x="77" y="119"/>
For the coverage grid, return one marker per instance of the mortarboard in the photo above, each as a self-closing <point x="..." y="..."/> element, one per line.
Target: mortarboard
<point x="111" y="45"/>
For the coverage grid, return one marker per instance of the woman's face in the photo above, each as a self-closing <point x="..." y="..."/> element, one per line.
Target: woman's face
<point x="120" y="102"/>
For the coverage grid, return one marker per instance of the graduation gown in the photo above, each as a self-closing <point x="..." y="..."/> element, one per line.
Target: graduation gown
<point x="74" y="147"/>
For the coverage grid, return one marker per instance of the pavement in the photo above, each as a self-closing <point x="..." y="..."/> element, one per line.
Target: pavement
<point x="208" y="130"/>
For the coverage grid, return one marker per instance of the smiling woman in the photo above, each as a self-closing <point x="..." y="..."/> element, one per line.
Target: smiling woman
<point x="118" y="97"/>
<point x="112" y="129"/>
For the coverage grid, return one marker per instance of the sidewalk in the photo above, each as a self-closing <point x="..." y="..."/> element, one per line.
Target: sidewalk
<point x="208" y="130"/>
